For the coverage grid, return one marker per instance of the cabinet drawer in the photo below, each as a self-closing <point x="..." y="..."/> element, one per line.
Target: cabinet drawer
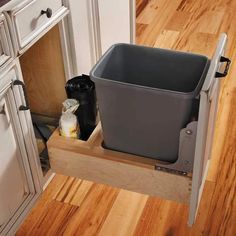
<point x="89" y="160"/>
<point x="6" y="51"/>
<point x="35" y="17"/>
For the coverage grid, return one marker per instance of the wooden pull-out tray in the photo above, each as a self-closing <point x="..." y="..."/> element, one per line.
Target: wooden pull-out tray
<point x="89" y="160"/>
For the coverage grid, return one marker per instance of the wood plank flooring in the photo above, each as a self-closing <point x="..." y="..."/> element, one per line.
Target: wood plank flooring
<point x="71" y="206"/>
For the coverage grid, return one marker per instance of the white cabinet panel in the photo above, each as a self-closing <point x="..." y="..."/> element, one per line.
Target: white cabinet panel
<point x="97" y="24"/>
<point x="19" y="186"/>
<point x="13" y="184"/>
<point x="115" y="22"/>
<point x="82" y="34"/>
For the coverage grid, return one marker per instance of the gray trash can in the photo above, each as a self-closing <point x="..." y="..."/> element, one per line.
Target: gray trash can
<point x="146" y="96"/>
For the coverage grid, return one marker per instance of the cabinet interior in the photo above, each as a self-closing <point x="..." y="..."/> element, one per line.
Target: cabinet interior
<point x="44" y="77"/>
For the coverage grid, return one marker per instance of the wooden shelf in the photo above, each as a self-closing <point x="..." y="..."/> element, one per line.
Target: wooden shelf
<point x="89" y="160"/>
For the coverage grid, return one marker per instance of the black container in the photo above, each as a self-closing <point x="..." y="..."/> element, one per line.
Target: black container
<point x="82" y="89"/>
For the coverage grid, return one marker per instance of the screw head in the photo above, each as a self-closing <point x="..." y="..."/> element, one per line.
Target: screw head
<point x="186" y="162"/>
<point x="188" y="131"/>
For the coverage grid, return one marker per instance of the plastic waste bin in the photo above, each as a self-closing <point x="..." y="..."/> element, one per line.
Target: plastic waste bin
<point x="146" y="96"/>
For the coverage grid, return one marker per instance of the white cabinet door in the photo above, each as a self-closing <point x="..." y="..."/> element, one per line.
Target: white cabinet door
<point x="13" y="184"/>
<point x="17" y="187"/>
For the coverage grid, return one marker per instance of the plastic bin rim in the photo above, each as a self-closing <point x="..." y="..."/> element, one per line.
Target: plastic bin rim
<point x="99" y="79"/>
<point x="144" y="46"/>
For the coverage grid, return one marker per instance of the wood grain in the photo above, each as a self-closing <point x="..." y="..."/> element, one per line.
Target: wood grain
<point x="89" y="161"/>
<point x="163" y="218"/>
<point x="44" y="76"/>
<point x="99" y="201"/>
<point x="94" y="148"/>
<point x="166" y="39"/>
<point x="217" y="212"/>
<point x="140" y="5"/>
<point x="148" y="14"/>
<point x="28" y="227"/>
<point x="55" y="218"/>
<point x="124" y="214"/>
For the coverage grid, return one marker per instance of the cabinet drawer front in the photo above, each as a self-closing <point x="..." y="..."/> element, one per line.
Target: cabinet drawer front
<point x="29" y="21"/>
<point x="6" y="51"/>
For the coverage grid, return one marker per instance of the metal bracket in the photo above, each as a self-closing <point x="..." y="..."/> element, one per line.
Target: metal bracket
<point x="184" y="163"/>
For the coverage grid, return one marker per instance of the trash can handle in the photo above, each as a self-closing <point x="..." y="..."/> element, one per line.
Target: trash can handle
<point x="219" y="74"/>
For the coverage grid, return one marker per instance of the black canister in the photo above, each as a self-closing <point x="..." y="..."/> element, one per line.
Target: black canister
<point x="82" y="88"/>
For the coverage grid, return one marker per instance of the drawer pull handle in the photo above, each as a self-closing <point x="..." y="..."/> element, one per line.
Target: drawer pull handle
<point x="219" y="74"/>
<point x="26" y="106"/>
<point x="48" y="12"/>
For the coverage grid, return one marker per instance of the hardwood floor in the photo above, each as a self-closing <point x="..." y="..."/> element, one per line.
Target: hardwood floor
<point x="71" y="206"/>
